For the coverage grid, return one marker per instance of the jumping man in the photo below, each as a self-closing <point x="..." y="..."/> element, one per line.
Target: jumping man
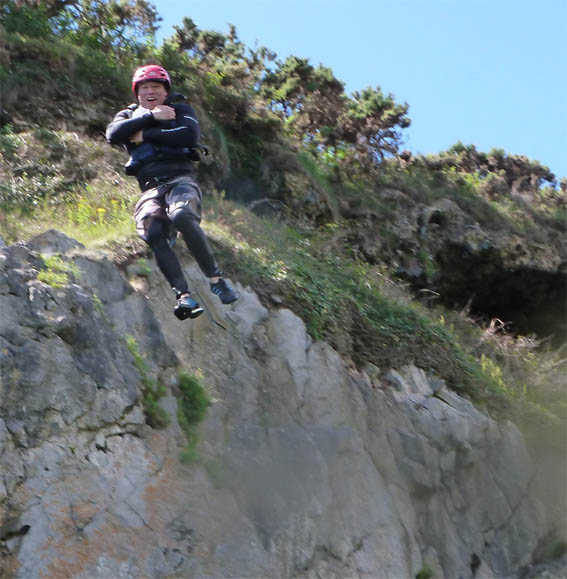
<point x="161" y="135"/>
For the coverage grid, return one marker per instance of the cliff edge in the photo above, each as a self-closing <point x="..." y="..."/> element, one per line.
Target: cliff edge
<point x="305" y="467"/>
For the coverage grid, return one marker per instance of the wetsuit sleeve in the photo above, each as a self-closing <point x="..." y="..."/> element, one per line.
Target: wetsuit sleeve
<point x="123" y="126"/>
<point x="185" y="134"/>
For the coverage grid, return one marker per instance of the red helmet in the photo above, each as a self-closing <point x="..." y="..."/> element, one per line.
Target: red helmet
<point x="150" y="72"/>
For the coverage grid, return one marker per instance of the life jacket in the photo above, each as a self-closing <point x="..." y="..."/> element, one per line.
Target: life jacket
<point x="150" y="152"/>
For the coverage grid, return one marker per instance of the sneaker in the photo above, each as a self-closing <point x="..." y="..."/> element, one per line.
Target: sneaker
<point x="187" y="307"/>
<point x="224" y="290"/>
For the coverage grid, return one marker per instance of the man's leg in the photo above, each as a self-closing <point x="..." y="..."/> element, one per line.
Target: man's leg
<point x="196" y="240"/>
<point x="200" y="249"/>
<point x="183" y="202"/>
<point x="157" y="238"/>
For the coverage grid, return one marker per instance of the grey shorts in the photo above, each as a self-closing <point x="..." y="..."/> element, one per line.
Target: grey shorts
<point x="161" y="201"/>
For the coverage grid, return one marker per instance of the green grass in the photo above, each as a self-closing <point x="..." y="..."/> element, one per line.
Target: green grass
<point x="97" y="220"/>
<point x="318" y="173"/>
<point x="56" y="280"/>
<point x="56" y="272"/>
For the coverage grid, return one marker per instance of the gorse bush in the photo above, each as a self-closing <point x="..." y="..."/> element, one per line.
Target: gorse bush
<point x="64" y="50"/>
<point x="467" y="189"/>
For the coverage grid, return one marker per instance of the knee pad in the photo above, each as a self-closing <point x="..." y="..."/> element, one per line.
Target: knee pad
<point x="181" y="214"/>
<point x="154" y="232"/>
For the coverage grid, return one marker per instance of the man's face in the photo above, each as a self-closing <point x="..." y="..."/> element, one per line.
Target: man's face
<point x="151" y="94"/>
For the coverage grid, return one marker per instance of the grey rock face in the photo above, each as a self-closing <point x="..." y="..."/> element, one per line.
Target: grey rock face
<point x="53" y="242"/>
<point x="306" y="468"/>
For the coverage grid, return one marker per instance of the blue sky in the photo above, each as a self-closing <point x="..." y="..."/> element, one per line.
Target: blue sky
<point x="492" y="73"/>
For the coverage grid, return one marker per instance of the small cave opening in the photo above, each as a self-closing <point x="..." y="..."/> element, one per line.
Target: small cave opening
<point x="530" y="301"/>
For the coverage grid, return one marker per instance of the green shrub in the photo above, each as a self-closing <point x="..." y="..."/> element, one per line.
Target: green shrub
<point x="424" y="573"/>
<point x="193" y="402"/>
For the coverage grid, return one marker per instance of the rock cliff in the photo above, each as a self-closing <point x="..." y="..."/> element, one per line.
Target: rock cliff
<point x="306" y="467"/>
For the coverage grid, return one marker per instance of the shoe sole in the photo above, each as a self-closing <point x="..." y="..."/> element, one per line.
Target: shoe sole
<point x="226" y="302"/>
<point x="184" y="313"/>
<point x="229" y="301"/>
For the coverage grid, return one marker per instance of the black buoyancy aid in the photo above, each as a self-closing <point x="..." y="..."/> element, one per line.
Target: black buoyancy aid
<point x="150" y="152"/>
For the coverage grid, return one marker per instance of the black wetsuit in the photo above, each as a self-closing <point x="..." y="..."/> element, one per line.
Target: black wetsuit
<point x="171" y="196"/>
<point x="173" y="136"/>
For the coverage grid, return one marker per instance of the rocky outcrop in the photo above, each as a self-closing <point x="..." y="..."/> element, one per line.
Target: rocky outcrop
<point x="306" y="467"/>
<point x="471" y="254"/>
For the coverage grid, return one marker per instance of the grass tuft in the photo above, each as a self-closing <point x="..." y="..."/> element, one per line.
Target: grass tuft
<point x="193" y="402"/>
<point x="56" y="272"/>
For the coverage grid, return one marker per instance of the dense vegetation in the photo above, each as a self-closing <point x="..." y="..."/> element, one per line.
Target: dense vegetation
<point x="284" y="130"/>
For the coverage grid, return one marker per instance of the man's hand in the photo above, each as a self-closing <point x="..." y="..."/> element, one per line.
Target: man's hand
<point x="137" y="138"/>
<point x="163" y="113"/>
